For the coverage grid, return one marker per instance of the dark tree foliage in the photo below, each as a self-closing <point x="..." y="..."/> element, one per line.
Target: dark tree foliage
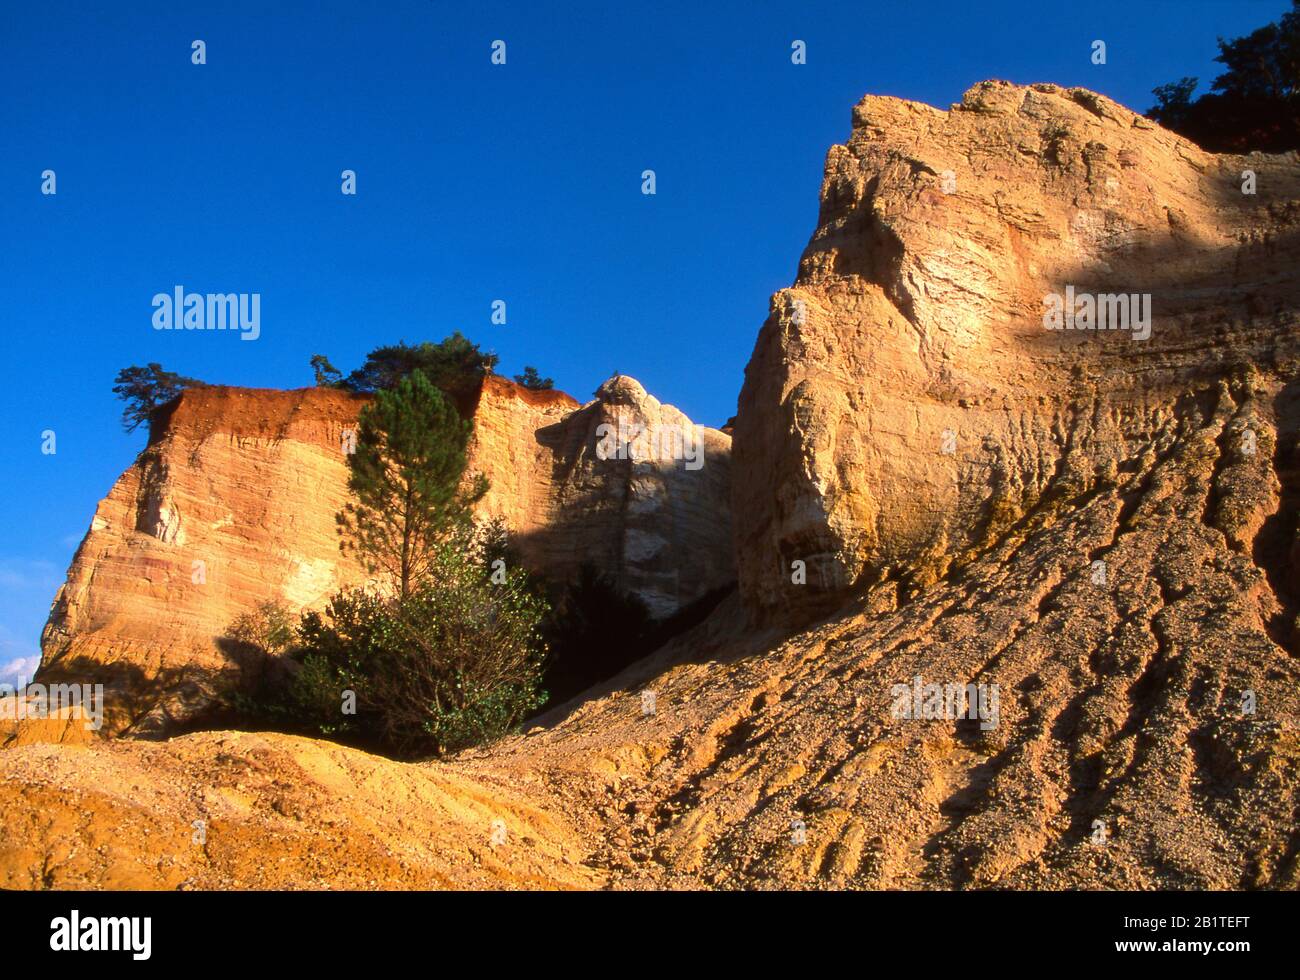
<point x="405" y="479"/>
<point x="455" y="364"/>
<point x="145" y="390"/>
<point x="1254" y="105"/>
<point x="531" y="379"/>
<point x="456" y="663"/>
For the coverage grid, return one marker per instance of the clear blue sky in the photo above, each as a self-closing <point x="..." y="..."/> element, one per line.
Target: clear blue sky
<point x="475" y="182"/>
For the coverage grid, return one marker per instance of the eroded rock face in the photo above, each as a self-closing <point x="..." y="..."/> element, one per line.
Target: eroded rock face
<point x="625" y="483"/>
<point x="233" y="502"/>
<point x="905" y="403"/>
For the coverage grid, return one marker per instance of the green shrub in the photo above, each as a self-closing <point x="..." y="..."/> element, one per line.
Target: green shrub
<point x="454" y="364"/>
<point x="269" y="628"/>
<point x="533" y="380"/>
<point x="456" y="663"/>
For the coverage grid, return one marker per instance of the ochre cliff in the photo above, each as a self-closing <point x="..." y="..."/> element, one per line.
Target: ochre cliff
<point x="653" y="513"/>
<point x="1105" y="546"/>
<point x="905" y="404"/>
<point x="233" y="503"/>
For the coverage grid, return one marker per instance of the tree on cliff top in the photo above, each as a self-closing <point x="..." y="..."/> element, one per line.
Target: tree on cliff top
<point x="1254" y="105"/>
<point x="325" y="373"/>
<point x="145" y="390"/>
<point x="454" y="364"/>
<point x="405" y="476"/>
<point x="533" y="381"/>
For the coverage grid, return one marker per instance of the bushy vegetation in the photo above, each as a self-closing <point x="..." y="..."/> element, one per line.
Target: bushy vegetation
<point x="444" y="650"/>
<point x="453" y="365"/>
<point x="1254" y="105"/>
<point x="269" y="628"/>
<point x="534" y="381"/>
<point x="455" y="663"/>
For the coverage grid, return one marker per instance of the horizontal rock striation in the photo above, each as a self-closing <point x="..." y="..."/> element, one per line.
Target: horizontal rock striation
<point x="231" y="503"/>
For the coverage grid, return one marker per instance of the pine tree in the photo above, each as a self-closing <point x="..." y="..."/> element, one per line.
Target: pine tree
<point x="146" y="389"/>
<point x="453" y="364"/>
<point x="325" y="373"/>
<point x="1254" y="105"/>
<point x="405" y="477"/>
<point x="534" y="381"/>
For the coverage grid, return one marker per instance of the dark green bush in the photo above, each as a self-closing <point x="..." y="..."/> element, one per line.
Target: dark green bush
<point x="454" y="364"/>
<point x="1253" y="105"/>
<point x="456" y="663"/>
<point x="533" y="380"/>
<point x="269" y="628"/>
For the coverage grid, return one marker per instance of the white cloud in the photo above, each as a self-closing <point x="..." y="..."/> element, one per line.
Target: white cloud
<point x="18" y="671"/>
<point x="27" y="587"/>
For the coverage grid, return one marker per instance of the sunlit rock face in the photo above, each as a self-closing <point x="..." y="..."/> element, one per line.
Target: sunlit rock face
<point x="906" y="402"/>
<point x="233" y="503"/>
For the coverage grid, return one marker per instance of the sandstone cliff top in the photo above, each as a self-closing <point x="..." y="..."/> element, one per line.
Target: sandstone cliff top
<point x="953" y="225"/>
<point x="278" y="413"/>
<point x="532" y="396"/>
